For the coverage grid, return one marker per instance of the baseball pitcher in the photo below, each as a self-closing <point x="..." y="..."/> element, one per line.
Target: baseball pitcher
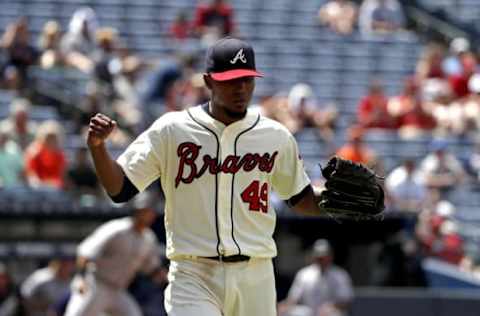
<point x="218" y="163"/>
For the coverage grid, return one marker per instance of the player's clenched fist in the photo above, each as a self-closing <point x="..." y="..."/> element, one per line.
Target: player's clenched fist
<point x="100" y="127"/>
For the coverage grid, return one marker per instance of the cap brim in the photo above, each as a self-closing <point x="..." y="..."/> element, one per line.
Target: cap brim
<point x="234" y="74"/>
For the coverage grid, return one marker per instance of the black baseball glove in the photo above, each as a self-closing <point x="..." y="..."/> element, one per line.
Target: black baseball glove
<point x="352" y="191"/>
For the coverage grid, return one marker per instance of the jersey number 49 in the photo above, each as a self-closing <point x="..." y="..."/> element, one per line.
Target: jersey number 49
<point x="256" y="196"/>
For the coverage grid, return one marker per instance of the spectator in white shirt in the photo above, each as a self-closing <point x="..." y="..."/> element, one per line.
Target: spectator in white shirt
<point x="441" y="169"/>
<point x="405" y="191"/>
<point x="339" y="15"/>
<point x="319" y="289"/>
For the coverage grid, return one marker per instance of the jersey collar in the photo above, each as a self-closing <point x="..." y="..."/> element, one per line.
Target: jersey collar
<point x="199" y="114"/>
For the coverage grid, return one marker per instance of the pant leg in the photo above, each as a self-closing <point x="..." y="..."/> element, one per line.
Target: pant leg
<point x="123" y="304"/>
<point x="195" y="288"/>
<point x="90" y="303"/>
<point x="253" y="289"/>
<point x="202" y="309"/>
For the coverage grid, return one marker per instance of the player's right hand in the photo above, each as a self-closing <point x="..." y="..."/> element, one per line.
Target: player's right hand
<point x="82" y="286"/>
<point x="100" y="127"/>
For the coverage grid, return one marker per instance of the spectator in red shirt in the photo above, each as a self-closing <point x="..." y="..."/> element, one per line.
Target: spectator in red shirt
<point x="459" y="82"/>
<point x="180" y="29"/>
<point x="438" y="234"/>
<point x="214" y="20"/>
<point x="372" y="110"/>
<point x="45" y="161"/>
<point x="413" y="117"/>
<point x="417" y="121"/>
<point x="430" y="63"/>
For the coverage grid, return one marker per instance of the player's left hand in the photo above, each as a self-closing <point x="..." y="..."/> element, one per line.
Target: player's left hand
<point x="352" y="191"/>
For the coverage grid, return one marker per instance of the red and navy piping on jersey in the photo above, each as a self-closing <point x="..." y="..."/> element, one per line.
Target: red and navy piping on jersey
<point x="233" y="176"/>
<point x="216" y="179"/>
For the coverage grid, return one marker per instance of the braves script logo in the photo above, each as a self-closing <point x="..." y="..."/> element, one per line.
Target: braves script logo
<point x="188" y="153"/>
<point x="239" y="56"/>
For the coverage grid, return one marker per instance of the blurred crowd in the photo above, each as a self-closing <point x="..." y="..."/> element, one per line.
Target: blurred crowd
<point x="440" y="101"/>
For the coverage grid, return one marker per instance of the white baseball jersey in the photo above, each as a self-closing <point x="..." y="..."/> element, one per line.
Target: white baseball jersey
<point x="119" y="252"/>
<point x="217" y="180"/>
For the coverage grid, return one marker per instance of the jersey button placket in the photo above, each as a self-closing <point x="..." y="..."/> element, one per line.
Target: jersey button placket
<point x="224" y="195"/>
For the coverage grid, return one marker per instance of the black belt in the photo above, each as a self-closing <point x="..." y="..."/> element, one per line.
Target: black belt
<point x="234" y="258"/>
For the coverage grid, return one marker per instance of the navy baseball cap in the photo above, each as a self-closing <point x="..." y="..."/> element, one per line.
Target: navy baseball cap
<point x="231" y="58"/>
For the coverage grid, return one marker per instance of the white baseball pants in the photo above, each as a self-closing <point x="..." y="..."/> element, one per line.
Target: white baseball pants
<point x="101" y="299"/>
<point x="204" y="287"/>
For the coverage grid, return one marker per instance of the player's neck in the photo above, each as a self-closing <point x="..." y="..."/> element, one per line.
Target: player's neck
<point x="222" y="115"/>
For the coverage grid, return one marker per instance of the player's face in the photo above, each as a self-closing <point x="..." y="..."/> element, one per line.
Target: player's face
<point x="231" y="97"/>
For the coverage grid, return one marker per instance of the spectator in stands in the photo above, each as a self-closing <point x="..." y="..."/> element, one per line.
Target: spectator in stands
<point x="213" y="20"/>
<point x="319" y="289"/>
<point x="18" y="125"/>
<point x="10" y="302"/>
<point x="471" y="261"/>
<point x="459" y="82"/>
<point x="45" y="286"/>
<point x="276" y="108"/>
<point x="438" y="234"/>
<point x="415" y="117"/>
<point x="78" y="43"/>
<point x="402" y="105"/>
<point x="11" y="162"/>
<point x="45" y="161"/>
<point x="339" y="15"/>
<point x="306" y="113"/>
<point x="405" y="191"/>
<point x="181" y="28"/>
<point x="126" y="69"/>
<point x="452" y="65"/>
<point x="381" y="16"/>
<point x="373" y="111"/>
<point x="81" y="177"/>
<point x="473" y="163"/>
<point x="429" y="64"/>
<point x="470" y="107"/>
<point x="50" y="45"/>
<point x="440" y="169"/>
<point x="105" y="56"/>
<point x="20" y="54"/>
<point x="437" y="98"/>
<point x="188" y="91"/>
<point x="355" y="149"/>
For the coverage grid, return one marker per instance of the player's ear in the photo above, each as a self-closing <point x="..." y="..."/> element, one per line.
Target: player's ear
<point x="208" y="82"/>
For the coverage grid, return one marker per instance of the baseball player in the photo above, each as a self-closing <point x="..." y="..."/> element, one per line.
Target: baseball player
<point x="217" y="163"/>
<point x="108" y="260"/>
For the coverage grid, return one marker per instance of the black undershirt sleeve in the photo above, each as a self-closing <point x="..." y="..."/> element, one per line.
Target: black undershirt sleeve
<point x="297" y="197"/>
<point x="127" y="192"/>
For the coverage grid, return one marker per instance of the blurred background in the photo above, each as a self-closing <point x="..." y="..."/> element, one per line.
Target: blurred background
<point x="394" y="84"/>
